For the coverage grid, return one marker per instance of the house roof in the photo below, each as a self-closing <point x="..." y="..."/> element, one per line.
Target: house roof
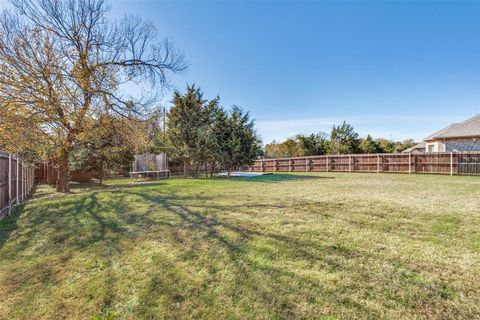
<point x="420" y="145"/>
<point x="467" y="128"/>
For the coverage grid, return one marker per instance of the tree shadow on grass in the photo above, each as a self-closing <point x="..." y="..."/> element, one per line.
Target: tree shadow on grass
<point x="123" y="183"/>
<point x="109" y="223"/>
<point x="216" y="232"/>
<point x="280" y="177"/>
<point x="9" y="224"/>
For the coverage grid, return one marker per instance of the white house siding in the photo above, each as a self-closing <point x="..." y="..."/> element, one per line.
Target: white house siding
<point x="435" y="146"/>
<point x="463" y="145"/>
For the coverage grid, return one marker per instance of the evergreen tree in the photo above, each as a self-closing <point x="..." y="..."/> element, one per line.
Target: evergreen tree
<point x="184" y="123"/>
<point x="385" y="145"/>
<point x="242" y="145"/>
<point x="369" y="145"/>
<point x="312" y="145"/>
<point x="343" y="139"/>
<point x="209" y="136"/>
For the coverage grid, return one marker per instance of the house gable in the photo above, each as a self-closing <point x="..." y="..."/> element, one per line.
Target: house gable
<point x="467" y="129"/>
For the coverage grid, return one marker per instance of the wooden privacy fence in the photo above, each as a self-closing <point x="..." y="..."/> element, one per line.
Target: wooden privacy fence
<point x="16" y="182"/>
<point x="452" y="163"/>
<point x="47" y="172"/>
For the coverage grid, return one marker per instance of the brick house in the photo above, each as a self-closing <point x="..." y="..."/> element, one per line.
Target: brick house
<point x="457" y="137"/>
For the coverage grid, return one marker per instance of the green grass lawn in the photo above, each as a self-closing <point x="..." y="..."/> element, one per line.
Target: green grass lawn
<point x="316" y="246"/>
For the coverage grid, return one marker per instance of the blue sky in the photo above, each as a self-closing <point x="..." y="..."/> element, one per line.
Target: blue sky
<point x="392" y="69"/>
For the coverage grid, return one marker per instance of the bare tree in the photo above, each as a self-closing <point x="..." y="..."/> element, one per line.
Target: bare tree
<point x="63" y="62"/>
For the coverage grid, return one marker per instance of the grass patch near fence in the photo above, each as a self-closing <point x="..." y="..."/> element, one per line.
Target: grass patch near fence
<point x="281" y="246"/>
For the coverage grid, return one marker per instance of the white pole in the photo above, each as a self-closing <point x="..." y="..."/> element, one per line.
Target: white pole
<point x="9" y="183"/>
<point x="451" y="163"/>
<point x="17" y="182"/>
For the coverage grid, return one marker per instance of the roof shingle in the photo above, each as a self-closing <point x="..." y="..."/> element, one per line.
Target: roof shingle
<point x="467" y="128"/>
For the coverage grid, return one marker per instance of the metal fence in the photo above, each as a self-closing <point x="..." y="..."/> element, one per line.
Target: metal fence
<point x="16" y="182"/>
<point x="452" y="163"/>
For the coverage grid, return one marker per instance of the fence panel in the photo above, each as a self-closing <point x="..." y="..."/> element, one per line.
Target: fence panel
<point x="438" y="163"/>
<point x="16" y="182"/>
<point x="468" y="164"/>
<point x="3" y="183"/>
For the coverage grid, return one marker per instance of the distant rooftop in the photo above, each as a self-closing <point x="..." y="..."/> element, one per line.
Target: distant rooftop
<point x="418" y="146"/>
<point x="467" y="128"/>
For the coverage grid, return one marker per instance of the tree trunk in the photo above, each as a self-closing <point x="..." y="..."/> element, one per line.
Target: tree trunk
<point x="212" y="169"/>
<point x="185" y="168"/>
<point x="206" y="170"/>
<point x="101" y="173"/>
<point x="63" y="183"/>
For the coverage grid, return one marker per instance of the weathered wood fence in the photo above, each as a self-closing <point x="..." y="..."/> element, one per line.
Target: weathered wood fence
<point x="47" y="172"/>
<point x="16" y="182"/>
<point x="440" y="163"/>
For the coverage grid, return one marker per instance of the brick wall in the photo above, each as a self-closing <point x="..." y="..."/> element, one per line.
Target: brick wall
<point x="463" y="145"/>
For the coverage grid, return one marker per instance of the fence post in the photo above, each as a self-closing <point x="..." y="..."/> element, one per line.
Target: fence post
<point x="415" y="162"/>
<point x="261" y="163"/>
<point x="306" y="164"/>
<point x="289" y="165"/>
<point x="16" y="182"/>
<point x="24" y="174"/>
<point x="451" y="163"/>
<point x="23" y="182"/>
<point x="378" y="163"/>
<point x="326" y="163"/>
<point x="9" y="183"/>
<point x="409" y="163"/>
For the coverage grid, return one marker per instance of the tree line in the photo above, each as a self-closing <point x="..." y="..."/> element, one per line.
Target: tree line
<point x="342" y="140"/>
<point x="64" y="67"/>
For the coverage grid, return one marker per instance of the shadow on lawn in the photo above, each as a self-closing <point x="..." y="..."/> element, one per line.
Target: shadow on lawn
<point x="110" y="226"/>
<point x="280" y="177"/>
<point x="213" y="231"/>
<point x="9" y="224"/>
<point x="117" y="184"/>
